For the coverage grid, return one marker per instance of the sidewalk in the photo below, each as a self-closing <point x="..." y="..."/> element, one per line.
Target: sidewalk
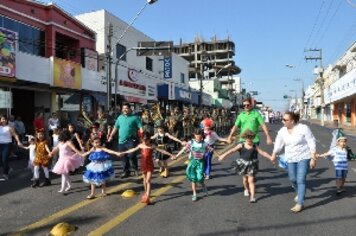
<point x="348" y="130"/>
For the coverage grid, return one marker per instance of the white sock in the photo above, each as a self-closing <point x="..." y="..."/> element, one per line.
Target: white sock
<point x="46" y="172"/>
<point x="36" y="172"/>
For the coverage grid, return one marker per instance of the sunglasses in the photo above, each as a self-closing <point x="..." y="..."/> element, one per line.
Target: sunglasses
<point x="245" y="105"/>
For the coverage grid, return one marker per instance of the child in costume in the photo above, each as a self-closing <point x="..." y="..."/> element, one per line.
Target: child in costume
<point x="338" y="155"/>
<point x="32" y="152"/>
<point x="211" y="137"/>
<point x="161" y="139"/>
<point x="69" y="159"/>
<point x="42" y="159"/>
<point x="147" y="149"/>
<point x="195" y="170"/>
<point x="247" y="164"/>
<point x="100" y="170"/>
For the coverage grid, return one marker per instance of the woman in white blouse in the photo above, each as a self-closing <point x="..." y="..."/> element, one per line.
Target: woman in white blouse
<point x="6" y="134"/>
<point x="300" y="153"/>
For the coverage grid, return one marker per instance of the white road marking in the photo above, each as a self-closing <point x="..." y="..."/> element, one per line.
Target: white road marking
<point x="323" y="145"/>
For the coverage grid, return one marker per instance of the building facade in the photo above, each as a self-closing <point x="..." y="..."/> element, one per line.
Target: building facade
<point x="211" y="60"/>
<point x="44" y="60"/>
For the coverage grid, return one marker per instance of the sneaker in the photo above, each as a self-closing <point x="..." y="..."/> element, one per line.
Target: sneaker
<point x="194" y="198"/>
<point x="246" y="193"/>
<point x="252" y="200"/>
<point x="340" y="190"/>
<point x="207" y="177"/>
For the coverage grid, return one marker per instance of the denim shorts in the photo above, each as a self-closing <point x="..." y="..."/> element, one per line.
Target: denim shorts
<point x="341" y="174"/>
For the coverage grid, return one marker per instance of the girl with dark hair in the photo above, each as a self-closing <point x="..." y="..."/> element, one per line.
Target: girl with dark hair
<point x="197" y="149"/>
<point x="147" y="149"/>
<point x="69" y="159"/>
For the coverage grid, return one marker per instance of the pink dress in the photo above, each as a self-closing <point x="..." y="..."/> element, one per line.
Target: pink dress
<point x="68" y="160"/>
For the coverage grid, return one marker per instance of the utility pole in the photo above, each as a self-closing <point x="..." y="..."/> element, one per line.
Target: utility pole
<point x="108" y="67"/>
<point x="320" y="80"/>
<point x="204" y="59"/>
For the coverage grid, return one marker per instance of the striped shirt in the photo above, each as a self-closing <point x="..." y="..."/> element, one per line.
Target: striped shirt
<point x="339" y="158"/>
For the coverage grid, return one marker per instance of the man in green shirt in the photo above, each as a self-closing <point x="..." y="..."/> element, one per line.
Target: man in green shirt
<point x="128" y="125"/>
<point x="250" y="119"/>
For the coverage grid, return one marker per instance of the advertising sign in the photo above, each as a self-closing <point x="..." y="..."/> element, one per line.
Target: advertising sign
<point x="90" y="59"/>
<point x="66" y="74"/>
<point x="7" y="53"/>
<point x="167" y="67"/>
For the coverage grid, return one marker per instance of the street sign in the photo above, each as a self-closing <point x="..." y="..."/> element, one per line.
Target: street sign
<point x="155" y="48"/>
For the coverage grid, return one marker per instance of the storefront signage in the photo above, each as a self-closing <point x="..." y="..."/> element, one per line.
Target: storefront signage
<point x="167" y="67"/>
<point x="7" y="53"/>
<point x="66" y="74"/>
<point x="90" y="59"/>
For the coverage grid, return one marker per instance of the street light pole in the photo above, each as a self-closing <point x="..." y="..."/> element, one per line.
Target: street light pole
<point x="148" y="2"/>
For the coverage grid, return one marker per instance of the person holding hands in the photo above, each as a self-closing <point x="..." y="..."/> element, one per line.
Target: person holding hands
<point x="300" y="154"/>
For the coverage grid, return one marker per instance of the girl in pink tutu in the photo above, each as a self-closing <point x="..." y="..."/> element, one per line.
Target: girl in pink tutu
<point x="69" y="159"/>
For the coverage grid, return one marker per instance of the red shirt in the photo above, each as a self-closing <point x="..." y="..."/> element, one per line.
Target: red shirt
<point x="39" y="123"/>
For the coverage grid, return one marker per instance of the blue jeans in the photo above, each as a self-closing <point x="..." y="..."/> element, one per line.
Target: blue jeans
<point x="297" y="173"/>
<point x="5" y="149"/>
<point x="207" y="166"/>
<point x="129" y="159"/>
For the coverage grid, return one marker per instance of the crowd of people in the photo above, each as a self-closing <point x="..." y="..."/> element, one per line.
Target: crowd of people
<point x="63" y="150"/>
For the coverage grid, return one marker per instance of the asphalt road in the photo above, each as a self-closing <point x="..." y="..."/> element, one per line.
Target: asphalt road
<point x="225" y="211"/>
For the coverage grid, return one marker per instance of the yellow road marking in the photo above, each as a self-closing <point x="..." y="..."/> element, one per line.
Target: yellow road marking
<point x="137" y="207"/>
<point x="66" y="211"/>
<point x="132" y="210"/>
<point x="72" y="208"/>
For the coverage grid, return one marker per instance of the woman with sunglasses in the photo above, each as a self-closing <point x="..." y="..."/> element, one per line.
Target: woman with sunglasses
<point x="250" y="119"/>
<point x="299" y="144"/>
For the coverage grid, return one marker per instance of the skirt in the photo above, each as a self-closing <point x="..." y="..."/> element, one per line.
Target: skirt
<point x="195" y="171"/>
<point x="249" y="168"/>
<point x="98" y="172"/>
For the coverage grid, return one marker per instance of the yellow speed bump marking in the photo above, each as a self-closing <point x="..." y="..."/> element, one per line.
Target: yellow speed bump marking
<point x="134" y="209"/>
<point x="66" y="211"/>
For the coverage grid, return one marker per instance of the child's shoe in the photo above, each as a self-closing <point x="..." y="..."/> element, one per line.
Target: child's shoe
<point x="246" y="193"/>
<point x="47" y="182"/>
<point x="35" y="183"/>
<point x="194" y="198"/>
<point x="164" y="173"/>
<point x="252" y="200"/>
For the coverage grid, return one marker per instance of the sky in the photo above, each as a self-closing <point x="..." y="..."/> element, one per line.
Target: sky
<point x="268" y="34"/>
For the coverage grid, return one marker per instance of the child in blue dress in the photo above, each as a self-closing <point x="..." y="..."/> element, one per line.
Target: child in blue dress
<point x="100" y="169"/>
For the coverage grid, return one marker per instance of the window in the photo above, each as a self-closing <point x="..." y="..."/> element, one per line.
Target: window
<point x="120" y="50"/>
<point x="182" y="79"/>
<point x="149" y="64"/>
<point x="31" y="40"/>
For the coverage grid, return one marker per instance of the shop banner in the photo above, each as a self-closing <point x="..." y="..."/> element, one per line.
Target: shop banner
<point x="7" y="53"/>
<point x="66" y="74"/>
<point x="167" y="67"/>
